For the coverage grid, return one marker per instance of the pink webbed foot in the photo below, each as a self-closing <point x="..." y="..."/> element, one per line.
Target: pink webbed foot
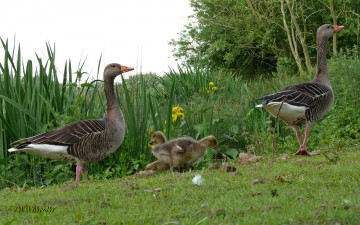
<point x="305" y="152"/>
<point x="302" y="151"/>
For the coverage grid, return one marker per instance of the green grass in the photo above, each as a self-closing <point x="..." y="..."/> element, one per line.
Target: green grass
<point x="313" y="190"/>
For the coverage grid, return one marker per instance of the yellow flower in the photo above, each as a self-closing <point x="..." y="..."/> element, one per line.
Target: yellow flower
<point x="150" y="131"/>
<point x="211" y="83"/>
<point x="164" y="130"/>
<point x="174" y="117"/>
<point x="165" y="121"/>
<point x="177" y="111"/>
<point x="214" y="88"/>
<point x="208" y="92"/>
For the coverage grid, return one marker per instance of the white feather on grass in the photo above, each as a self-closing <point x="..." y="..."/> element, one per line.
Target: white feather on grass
<point x="197" y="179"/>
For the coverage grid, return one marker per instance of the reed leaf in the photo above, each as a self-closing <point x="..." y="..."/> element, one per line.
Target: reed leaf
<point x="169" y="111"/>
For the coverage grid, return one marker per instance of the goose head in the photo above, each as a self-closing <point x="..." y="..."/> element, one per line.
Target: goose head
<point x="325" y="31"/>
<point x="158" y="137"/>
<point x="114" y="69"/>
<point x="211" y="142"/>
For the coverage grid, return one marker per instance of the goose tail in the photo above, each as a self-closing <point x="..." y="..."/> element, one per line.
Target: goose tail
<point x="13" y="150"/>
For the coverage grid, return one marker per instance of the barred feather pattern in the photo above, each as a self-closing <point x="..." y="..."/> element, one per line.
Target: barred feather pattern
<point x="69" y="134"/>
<point x="93" y="147"/>
<point x="317" y="98"/>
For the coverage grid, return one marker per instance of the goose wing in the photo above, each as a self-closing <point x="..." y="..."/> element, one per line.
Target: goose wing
<point x="69" y="134"/>
<point x="304" y="94"/>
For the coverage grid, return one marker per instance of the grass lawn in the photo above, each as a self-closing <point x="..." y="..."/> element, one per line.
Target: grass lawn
<point x="294" y="190"/>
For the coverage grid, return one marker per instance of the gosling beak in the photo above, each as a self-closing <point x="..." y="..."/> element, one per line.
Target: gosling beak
<point x="151" y="142"/>
<point x="338" y="28"/>
<point x="126" y="69"/>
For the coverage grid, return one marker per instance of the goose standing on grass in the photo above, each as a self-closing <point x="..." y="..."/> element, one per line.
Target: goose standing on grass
<point x="180" y="152"/>
<point x="85" y="141"/>
<point x="305" y="103"/>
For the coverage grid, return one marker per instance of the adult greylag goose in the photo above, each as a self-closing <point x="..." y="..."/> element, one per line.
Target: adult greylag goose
<point x="84" y="141"/>
<point x="305" y="103"/>
<point x="180" y="152"/>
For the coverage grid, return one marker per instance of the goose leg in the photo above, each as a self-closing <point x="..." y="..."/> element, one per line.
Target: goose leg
<point x="78" y="173"/>
<point x="85" y="172"/>
<point x="303" y="150"/>
<point x="298" y="137"/>
<point x="81" y="170"/>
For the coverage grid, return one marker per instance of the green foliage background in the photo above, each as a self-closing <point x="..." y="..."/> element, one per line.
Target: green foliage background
<point x="248" y="37"/>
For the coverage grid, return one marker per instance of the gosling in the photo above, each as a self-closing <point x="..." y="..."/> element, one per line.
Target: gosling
<point x="180" y="152"/>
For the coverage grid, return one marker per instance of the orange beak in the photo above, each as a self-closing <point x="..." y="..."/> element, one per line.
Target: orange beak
<point x="338" y="28"/>
<point x="126" y="69"/>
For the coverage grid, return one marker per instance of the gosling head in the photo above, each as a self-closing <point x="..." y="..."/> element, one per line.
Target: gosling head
<point x="211" y="142"/>
<point x="114" y="69"/>
<point x="158" y="137"/>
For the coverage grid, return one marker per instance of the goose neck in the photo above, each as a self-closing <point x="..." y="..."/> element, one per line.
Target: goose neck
<point x="113" y="111"/>
<point x="322" y="75"/>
